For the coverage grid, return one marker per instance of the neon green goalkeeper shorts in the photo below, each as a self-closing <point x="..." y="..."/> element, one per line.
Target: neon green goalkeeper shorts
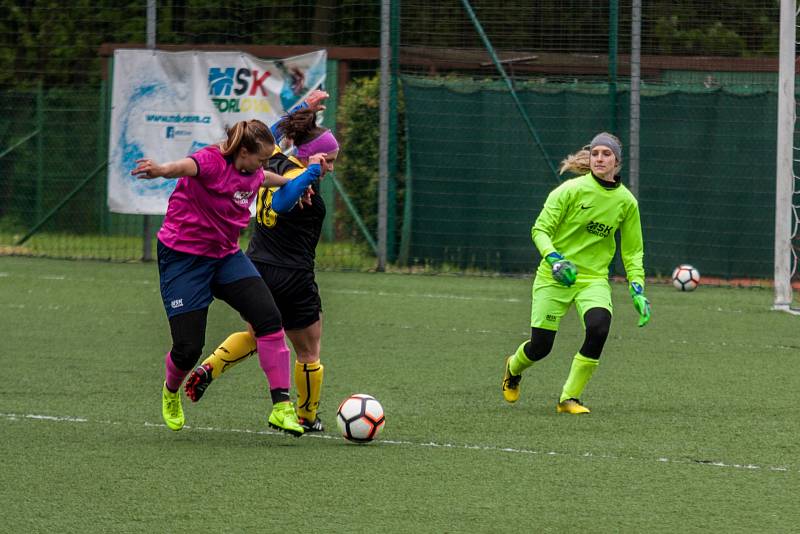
<point x="551" y="300"/>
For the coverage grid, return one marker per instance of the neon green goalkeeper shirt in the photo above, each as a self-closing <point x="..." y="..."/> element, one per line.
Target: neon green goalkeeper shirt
<point x="579" y="220"/>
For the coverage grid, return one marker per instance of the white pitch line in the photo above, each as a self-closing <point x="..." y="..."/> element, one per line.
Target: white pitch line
<point x="442" y="296"/>
<point x="89" y="279"/>
<point x="430" y="444"/>
<point x="451" y="329"/>
<point x="439" y="296"/>
<point x="694" y="343"/>
<point x="68" y="418"/>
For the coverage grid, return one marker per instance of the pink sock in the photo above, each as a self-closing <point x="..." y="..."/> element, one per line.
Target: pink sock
<point x="275" y="359"/>
<point x="175" y="376"/>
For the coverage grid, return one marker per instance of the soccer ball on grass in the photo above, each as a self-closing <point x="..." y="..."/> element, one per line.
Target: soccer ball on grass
<point x="360" y="418"/>
<point x="685" y="277"/>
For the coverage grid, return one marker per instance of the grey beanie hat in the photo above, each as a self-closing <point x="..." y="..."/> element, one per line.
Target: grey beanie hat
<point x="606" y="139"/>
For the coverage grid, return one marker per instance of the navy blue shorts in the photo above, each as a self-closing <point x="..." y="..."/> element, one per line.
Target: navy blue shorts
<point x="187" y="280"/>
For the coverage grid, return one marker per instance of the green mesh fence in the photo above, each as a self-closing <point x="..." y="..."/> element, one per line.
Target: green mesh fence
<point x="707" y="174"/>
<point x="54" y="71"/>
<point x="478" y="176"/>
<point x="55" y="184"/>
<point x="709" y="77"/>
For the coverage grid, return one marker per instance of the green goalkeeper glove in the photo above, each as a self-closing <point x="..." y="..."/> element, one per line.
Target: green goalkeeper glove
<point x="641" y="303"/>
<point x="564" y="271"/>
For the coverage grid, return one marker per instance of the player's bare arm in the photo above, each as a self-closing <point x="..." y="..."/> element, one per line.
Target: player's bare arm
<point x="272" y="179"/>
<point x="147" y="169"/>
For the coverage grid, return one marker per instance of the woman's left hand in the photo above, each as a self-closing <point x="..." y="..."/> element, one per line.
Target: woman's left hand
<point x="314" y="100"/>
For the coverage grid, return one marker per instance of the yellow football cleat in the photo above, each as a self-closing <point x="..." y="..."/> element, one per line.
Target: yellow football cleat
<point x="171" y="409"/>
<point x="510" y="384"/>
<point x="573" y="406"/>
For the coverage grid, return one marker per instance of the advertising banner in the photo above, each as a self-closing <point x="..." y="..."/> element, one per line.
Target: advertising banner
<point x="167" y="105"/>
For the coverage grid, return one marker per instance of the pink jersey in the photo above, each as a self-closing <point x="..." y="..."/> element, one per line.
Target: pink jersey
<point x="207" y="212"/>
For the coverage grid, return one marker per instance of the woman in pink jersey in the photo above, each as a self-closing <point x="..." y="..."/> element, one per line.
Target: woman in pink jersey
<point x="199" y="259"/>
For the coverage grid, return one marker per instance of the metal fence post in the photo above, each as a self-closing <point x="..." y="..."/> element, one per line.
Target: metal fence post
<point x="613" y="38"/>
<point x="37" y="202"/>
<point x="327" y="188"/>
<point x="635" y="104"/>
<point x="392" y="147"/>
<point x="383" y="133"/>
<point x="147" y="231"/>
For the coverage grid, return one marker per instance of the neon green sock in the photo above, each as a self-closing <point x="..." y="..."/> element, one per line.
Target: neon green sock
<point x="519" y="361"/>
<point x="579" y="374"/>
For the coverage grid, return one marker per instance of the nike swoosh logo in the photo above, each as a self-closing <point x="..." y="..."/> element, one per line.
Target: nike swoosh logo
<point x="585" y="207"/>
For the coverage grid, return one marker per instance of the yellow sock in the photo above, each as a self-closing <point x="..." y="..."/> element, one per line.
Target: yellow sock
<point x="308" y="380"/>
<point x="579" y="374"/>
<point x="519" y="360"/>
<point x="237" y="348"/>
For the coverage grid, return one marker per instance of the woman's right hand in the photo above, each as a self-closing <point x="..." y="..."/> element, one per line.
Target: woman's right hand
<point x="147" y="169"/>
<point x="305" y="200"/>
<point x="319" y="159"/>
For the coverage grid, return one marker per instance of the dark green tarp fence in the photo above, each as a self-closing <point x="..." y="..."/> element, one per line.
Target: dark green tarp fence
<point x="707" y="178"/>
<point x="707" y="188"/>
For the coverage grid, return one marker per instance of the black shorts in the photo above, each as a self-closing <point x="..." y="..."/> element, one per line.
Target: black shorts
<point x="295" y="292"/>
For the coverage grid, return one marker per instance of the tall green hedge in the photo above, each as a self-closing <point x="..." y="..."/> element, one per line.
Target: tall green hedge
<point x="358" y="166"/>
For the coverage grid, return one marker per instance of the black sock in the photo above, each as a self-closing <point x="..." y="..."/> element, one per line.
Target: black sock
<point x="279" y="395"/>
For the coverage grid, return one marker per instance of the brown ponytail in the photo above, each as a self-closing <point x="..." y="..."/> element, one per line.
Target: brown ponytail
<point x="252" y="135"/>
<point x="301" y="126"/>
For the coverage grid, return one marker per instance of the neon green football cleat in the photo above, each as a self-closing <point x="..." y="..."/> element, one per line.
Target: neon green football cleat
<point x="510" y="384"/>
<point x="171" y="409"/>
<point x="284" y="418"/>
<point x="573" y="406"/>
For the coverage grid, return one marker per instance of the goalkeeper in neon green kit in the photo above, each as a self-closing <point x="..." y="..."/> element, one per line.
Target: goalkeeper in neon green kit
<point x="574" y="233"/>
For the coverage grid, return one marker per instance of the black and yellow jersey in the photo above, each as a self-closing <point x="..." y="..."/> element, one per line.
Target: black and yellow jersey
<point x="286" y="239"/>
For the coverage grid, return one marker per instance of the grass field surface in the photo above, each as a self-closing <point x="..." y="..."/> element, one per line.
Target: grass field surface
<point x="693" y="425"/>
<point x="340" y="256"/>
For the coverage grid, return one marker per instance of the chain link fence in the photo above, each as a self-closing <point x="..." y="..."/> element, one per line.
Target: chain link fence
<point x="489" y="97"/>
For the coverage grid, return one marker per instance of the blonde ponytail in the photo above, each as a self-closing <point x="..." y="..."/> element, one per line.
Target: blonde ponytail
<point x="577" y="163"/>
<point x="580" y="161"/>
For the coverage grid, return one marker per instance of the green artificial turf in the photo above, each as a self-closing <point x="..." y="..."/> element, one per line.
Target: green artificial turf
<point x="692" y="429"/>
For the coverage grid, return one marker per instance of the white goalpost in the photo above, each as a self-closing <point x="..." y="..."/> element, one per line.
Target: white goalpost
<point x="786" y="217"/>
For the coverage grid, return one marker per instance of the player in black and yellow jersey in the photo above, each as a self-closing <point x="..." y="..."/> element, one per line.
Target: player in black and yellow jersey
<point x="283" y="250"/>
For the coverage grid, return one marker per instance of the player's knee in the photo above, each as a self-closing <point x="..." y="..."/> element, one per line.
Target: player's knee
<point x="265" y="319"/>
<point x="188" y="335"/>
<point x="185" y="353"/>
<point x="540" y="345"/>
<point x="267" y="324"/>
<point x="598" y="331"/>
<point x="598" y="323"/>
<point x="307" y="357"/>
